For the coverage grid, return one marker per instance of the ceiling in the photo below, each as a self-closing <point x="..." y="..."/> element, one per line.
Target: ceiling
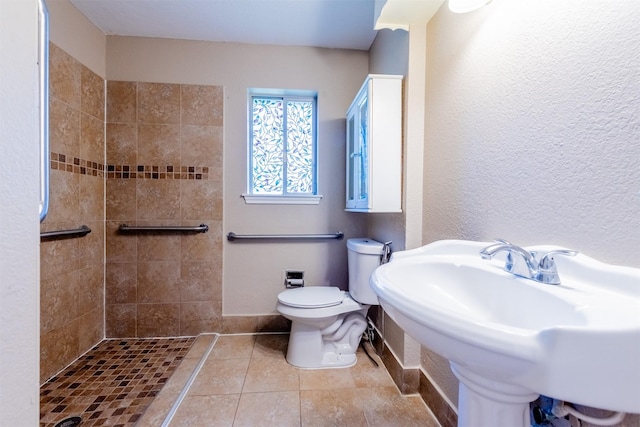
<point x="346" y="24"/>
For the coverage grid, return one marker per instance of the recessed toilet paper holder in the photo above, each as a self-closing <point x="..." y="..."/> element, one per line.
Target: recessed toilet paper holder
<point x="293" y="278"/>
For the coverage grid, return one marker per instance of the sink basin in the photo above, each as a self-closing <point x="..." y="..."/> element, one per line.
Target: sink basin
<point x="508" y="338"/>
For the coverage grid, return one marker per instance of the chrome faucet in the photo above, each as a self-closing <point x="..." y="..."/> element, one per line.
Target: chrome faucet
<point x="547" y="270"/>
<point x="526" y="264"/>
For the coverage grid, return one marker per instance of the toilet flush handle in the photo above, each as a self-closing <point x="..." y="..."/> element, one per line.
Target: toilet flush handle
<point x="386" y="252"/>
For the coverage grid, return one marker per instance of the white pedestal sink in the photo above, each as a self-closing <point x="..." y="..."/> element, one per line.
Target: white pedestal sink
<point x="509" y="339"/>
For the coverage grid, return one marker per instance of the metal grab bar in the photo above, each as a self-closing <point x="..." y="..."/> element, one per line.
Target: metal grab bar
<point x="202" y="228"/>
<point x="76" y="232"/>
<point x="233" y="236"/>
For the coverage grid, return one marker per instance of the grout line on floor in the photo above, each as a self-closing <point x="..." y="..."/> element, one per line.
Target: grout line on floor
<point x="189" y="382"/>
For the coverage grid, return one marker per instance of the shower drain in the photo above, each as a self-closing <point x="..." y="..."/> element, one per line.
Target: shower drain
<point x="69" y="422"/>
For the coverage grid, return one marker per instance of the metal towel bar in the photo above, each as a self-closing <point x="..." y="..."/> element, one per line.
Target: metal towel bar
<point x="76" y="232"/>
<point x="202" y="228"/>
<point x="233" y="236"/>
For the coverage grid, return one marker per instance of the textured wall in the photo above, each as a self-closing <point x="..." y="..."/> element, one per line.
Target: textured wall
<point x="389" y="54"/>
<point x="74" y="33"/>
<point x="19" y="228"/>
<point x="72" y="270"/>
<point x="533" y="129"/>
<point x="533" y="126"/>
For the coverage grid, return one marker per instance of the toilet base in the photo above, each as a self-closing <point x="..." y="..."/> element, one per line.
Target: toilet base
<point x="334" y="346"/>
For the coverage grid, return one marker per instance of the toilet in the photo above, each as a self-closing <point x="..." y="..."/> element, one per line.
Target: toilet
<point x="326" y="322"/>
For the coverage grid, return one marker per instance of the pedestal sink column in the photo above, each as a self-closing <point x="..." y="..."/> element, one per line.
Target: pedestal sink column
<point x="486" y="402"/>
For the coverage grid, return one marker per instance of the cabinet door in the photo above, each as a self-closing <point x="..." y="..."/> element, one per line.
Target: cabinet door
<point x="374" y="146"/>
<point x="362" y="186"/>
<point x="352" y="158"/>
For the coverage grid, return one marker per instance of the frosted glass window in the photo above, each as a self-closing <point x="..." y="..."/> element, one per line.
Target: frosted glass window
<point x="282" y="145"/>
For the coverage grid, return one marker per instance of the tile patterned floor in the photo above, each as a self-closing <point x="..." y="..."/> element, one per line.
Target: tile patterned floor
<point x="217" y="381"/>
<point x="113" y="383"/>
<point x="246" y="381"/>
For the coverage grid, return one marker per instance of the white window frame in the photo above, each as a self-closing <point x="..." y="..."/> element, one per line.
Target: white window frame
<point x="285" y="198"/>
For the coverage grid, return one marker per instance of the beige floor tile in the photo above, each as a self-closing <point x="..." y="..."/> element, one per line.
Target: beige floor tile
<point x="196" y="411"/>
<point x="385" y="407"/>
<point x="326" y="379"/>
<point x="270" y="374"/>
<point x="220" y="376"/>
<point x="271" y="345"/>
<point x="246" y="382"/>
<point x="233" y="347"/>
<point x="366" y="374"/>
<point x="280" y="409"/>
<point x="326" y="408"/>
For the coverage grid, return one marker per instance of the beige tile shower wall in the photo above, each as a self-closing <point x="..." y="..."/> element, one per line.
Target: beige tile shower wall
<point x="72" y="269"/>
<point x="164" y="167"/>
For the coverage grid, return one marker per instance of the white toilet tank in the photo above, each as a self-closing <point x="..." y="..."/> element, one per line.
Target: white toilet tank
<point x="363" y="257"/>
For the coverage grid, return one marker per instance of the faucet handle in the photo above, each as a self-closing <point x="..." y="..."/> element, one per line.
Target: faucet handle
<point x="547" y="261"/>
<point x="547" y="271"/>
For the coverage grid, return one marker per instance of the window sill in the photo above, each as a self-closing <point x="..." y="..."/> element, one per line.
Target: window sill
<point x="264" y="199"/>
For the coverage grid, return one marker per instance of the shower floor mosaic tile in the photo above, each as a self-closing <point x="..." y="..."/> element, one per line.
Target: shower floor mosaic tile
<point x="113" y="383"/>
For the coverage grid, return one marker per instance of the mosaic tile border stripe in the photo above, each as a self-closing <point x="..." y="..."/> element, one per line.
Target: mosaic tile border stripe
<point x="76" y="165"/>
<point x="86" y="167"/>
<point x="157" y="172"/>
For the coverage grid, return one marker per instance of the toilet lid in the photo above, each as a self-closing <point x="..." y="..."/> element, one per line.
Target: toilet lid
<point x="312" y="297"/>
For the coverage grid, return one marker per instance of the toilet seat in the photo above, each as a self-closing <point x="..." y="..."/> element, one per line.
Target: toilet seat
<point x="312" y="297"/>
